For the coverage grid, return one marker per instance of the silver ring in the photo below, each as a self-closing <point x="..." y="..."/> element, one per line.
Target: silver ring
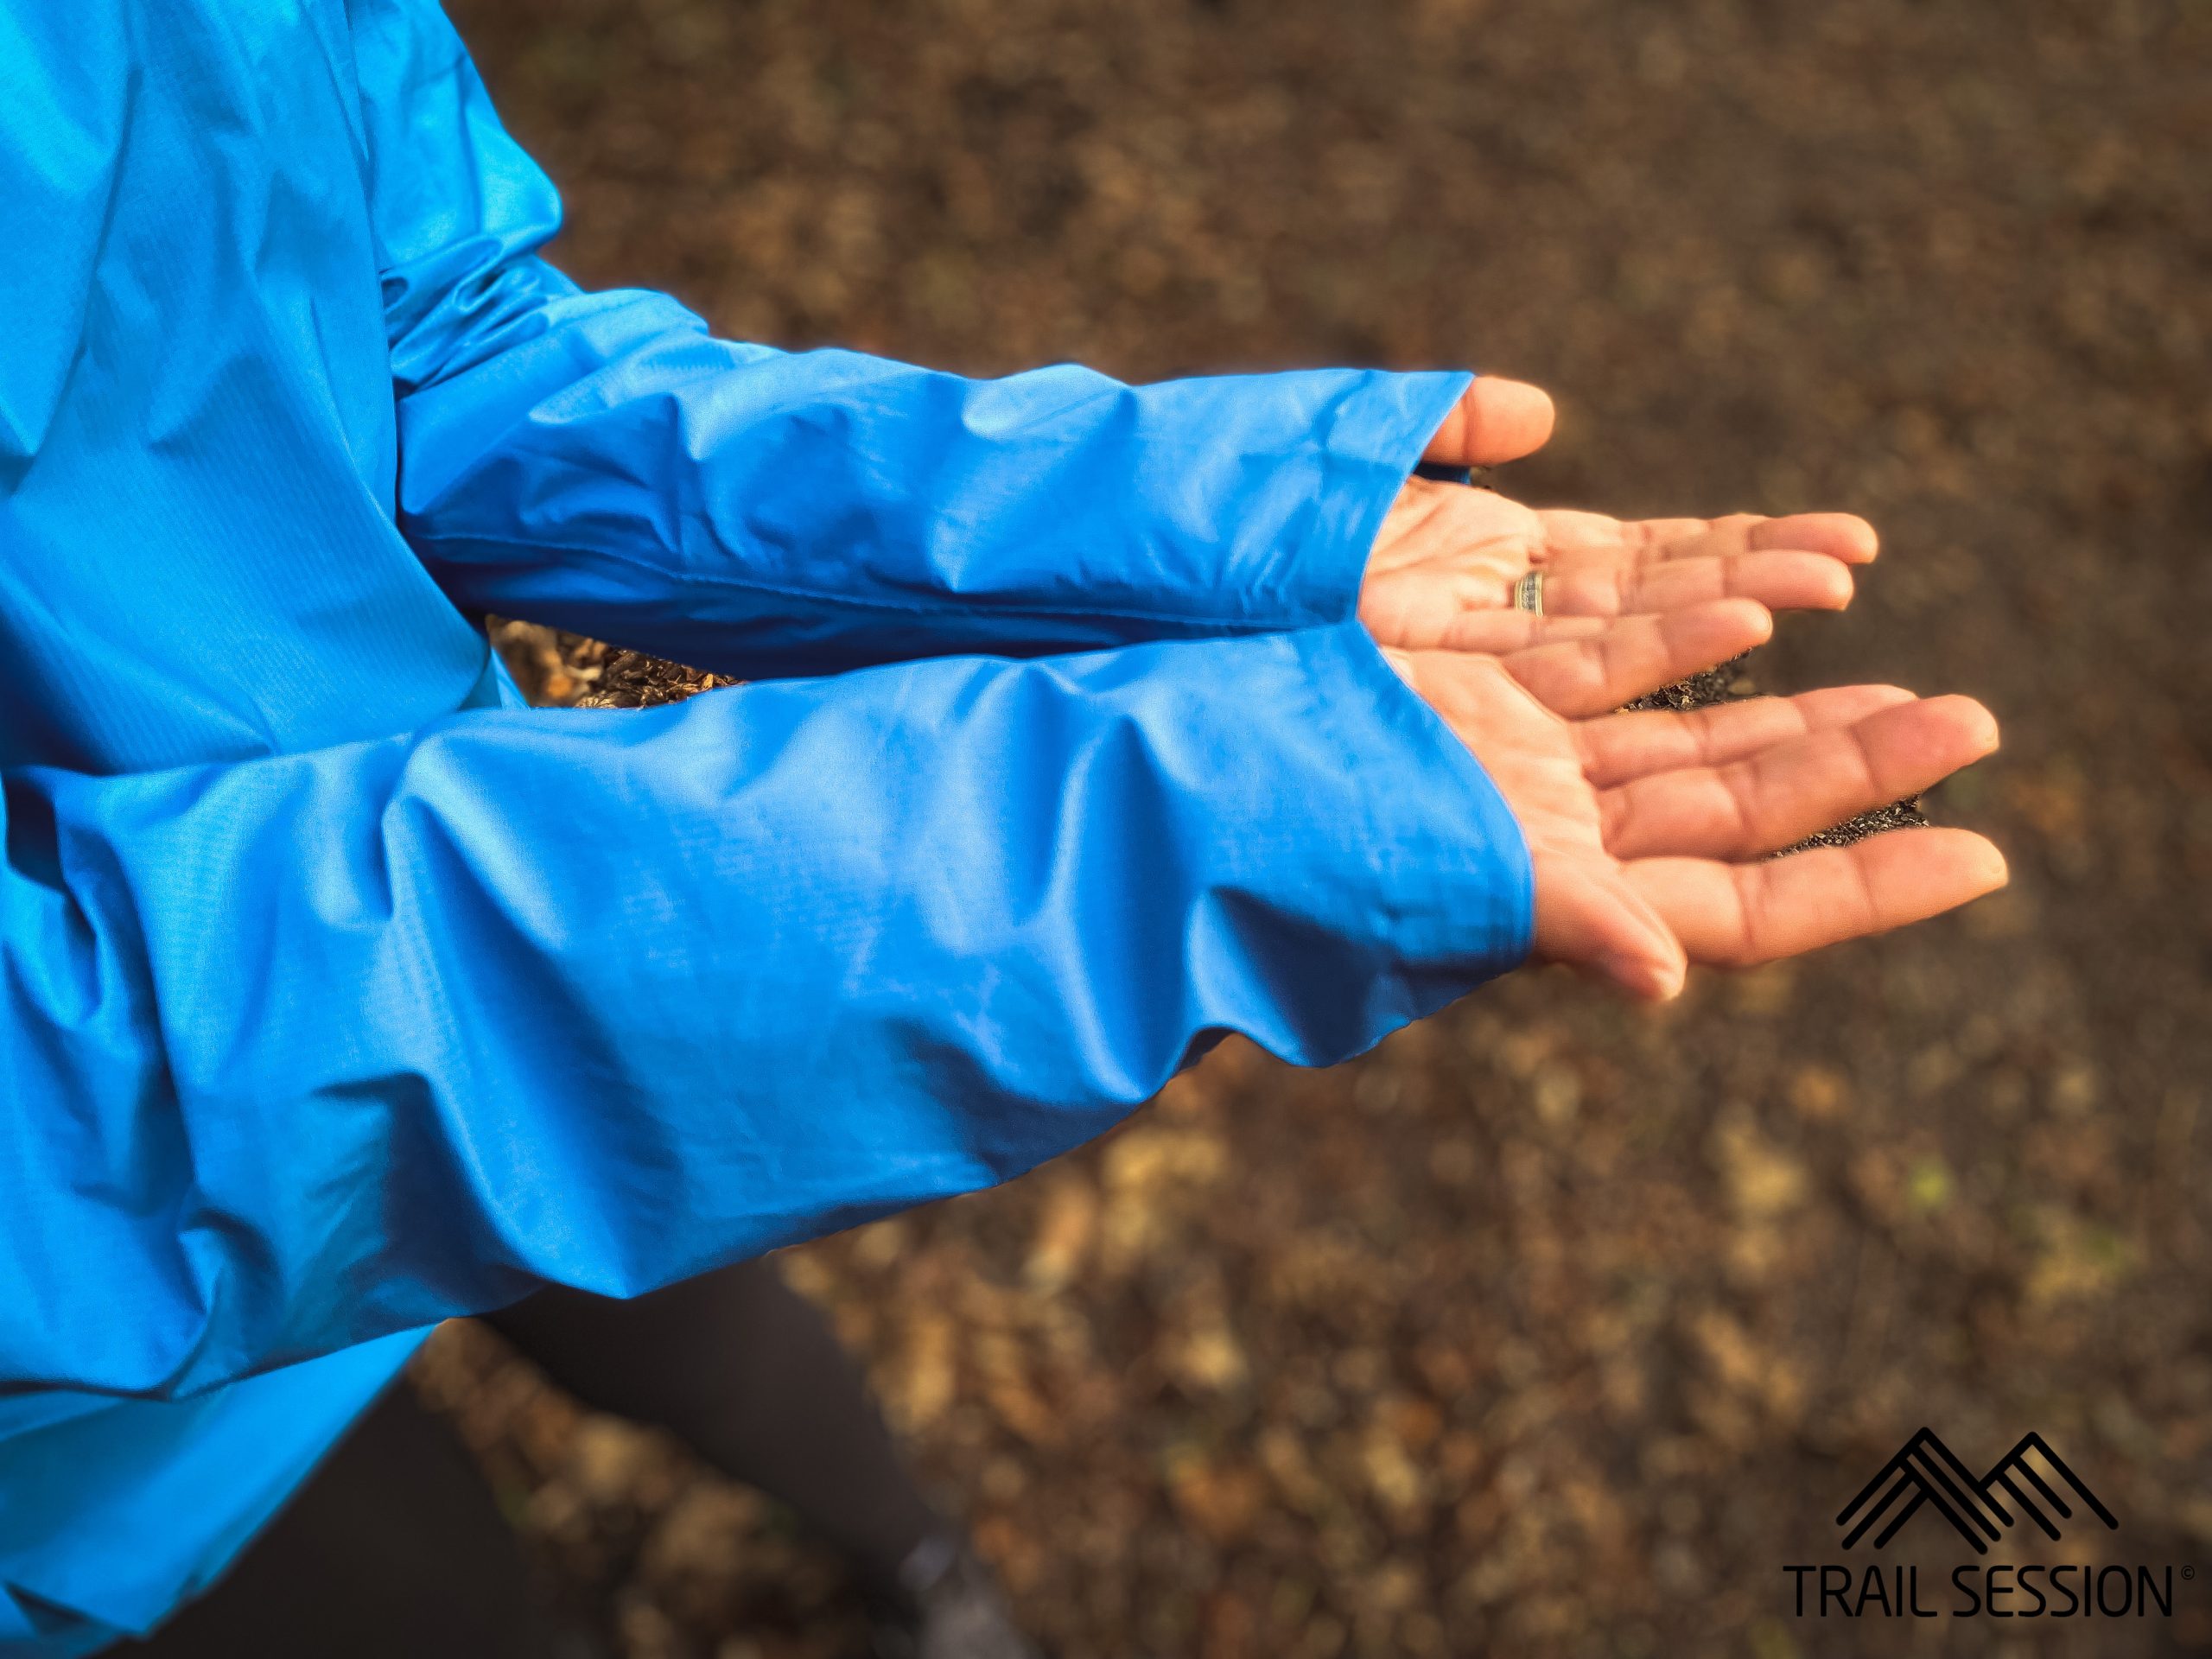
<point x="1528" y="593"/>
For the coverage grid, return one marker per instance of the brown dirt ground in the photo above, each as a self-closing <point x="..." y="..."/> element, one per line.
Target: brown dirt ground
<point x="1552" y="1328"/>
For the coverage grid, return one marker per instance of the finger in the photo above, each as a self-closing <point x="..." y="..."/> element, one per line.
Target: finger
<point x="1590" y="918"/>
<point x="1499" y="632"/>
<point x="1834" y="535"/>
<point x="1840" y="535"/>
<point x="1735" y="915"/>
<point x="1800" y="785"/>
<point x="1596" y="585"/>
<point x="1494" y="420"/>
<point x="1618" y="748"/>
<point x="1567" y="531"/>
<point x="1637" y="655"/>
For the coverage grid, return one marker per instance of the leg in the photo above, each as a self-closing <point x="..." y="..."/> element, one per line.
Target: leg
<point x="743" y="1367"/>
<point x="394" y="1547"/>
<point x="747" y="1372"/>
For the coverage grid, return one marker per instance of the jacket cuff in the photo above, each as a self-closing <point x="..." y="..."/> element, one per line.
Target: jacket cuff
<point x="1457" y="888"/>
<point x="1369" y="443"/>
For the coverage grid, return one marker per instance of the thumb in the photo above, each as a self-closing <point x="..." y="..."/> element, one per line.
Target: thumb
<point x="1588" y="917"/>
<point x="1494" y="420"/>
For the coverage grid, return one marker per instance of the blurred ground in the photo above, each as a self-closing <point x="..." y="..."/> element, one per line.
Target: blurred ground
<point x="1552" y="1328"/>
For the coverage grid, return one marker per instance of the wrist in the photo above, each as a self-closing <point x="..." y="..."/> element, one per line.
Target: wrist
<point x="1370" y="443"/>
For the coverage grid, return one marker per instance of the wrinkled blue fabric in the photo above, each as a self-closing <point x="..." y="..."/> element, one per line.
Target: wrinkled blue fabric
<point x="340" y="993"/>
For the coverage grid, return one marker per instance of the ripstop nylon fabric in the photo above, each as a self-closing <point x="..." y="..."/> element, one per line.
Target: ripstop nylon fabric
<point x="340" y="993"/>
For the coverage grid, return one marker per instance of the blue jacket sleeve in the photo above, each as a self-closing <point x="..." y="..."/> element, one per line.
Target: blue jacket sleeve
<point x="304" y="1050"/>
<point x="599" y="461"/>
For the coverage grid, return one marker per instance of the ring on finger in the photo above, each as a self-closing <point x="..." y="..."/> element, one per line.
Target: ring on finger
<point x="1528" y="593"/>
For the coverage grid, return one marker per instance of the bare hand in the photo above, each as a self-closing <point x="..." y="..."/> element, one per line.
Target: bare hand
<point x="1444" y="565"/>
<point x="1647" y="831"/>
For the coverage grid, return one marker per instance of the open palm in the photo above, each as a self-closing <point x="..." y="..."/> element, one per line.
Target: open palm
<point x="1444" y="565"/>
<point x="1647" y="831"/>
<point x="1442" y="570"/>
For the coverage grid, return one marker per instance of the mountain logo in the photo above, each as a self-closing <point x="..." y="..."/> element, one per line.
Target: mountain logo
<point x="1980" y="1509"/>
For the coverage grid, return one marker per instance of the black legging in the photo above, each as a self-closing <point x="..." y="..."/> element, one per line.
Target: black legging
<point x="395" y="1547"/>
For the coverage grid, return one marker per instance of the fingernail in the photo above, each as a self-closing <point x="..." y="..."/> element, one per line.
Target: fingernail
<point x="1640" y="977"/>
<point x="1866" y="543"/>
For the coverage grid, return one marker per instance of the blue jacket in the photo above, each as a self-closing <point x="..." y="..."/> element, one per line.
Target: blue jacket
<point x="339" y="992"/>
